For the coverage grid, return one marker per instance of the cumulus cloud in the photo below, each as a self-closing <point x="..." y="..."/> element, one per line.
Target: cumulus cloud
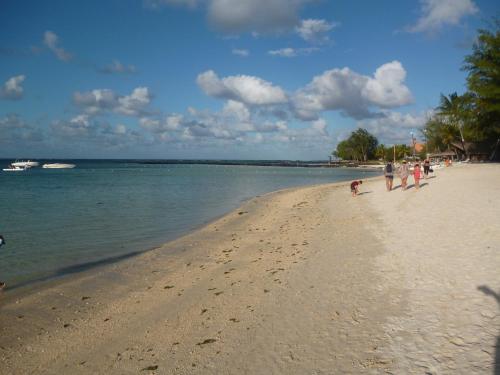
<point x="51" y="40"/>
<point x="236" y="16"/>
<point x="12" y="89"/>
<point x="85" y="129"/>
<point x="254" y="16"/>
<point x="241" y="52"/>
<point x="292" y="52"/>
<point x="439" y="13"/>
<point x="116" y="67"/>
<point x="102" y="100"/>
<point x="314" y="30"/>
<point x="156" y="4"/>
<point x="170" y="123"/>
<point x="78" y="126"/>
<point x="394" y="127"/>
<point x="246" y="89"/>
<point x="14" y="129"/>
<point x="386" y="89"/>
<point x="351" y="93"/>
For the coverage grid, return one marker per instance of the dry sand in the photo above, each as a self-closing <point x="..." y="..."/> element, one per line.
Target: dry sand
<point x="303" y="281"/>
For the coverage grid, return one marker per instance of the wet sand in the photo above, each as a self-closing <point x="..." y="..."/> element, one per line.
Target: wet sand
<point x="306" y="280"/>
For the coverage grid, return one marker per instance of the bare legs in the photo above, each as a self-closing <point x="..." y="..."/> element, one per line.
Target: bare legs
<point x="388" y="183"/>
<point x="404" y="182"/>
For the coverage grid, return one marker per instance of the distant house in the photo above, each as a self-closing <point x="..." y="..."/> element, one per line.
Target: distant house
<point x="476" y="150"/>
<point x="443" y="155"/>
<point x="419" y="147"/>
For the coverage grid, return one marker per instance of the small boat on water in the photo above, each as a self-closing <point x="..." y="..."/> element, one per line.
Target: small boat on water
<point x="58" y="166"/>
<point x="25" y="163"/>
<point x="14" y="168"/>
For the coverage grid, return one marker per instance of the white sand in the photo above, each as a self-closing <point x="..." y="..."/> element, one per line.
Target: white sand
<point x="312" y="280"/>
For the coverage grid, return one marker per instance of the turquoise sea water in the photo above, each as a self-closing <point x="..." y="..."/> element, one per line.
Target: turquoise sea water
<point x="59" y="221"/>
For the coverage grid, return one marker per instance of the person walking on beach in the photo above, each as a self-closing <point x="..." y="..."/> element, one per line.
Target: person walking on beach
<point x="427" y="167"/>
<point x="354" y="187"/>
<point x="403" y="174"/>
<point x="389" y="176"/>
<point x="2" y="242"/>
<point x="416" y="175"/>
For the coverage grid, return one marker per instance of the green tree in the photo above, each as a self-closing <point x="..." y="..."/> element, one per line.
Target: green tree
<point x="381" y="152"/>
<point x="360" y="146"/>
<point x="439" y="134"/>
<point x="455" y="110"/>
<point x="483" y="81"/>
<point x="364" y="143"/>
<point x="402" y="151"/>
<point x="483" y="66"/>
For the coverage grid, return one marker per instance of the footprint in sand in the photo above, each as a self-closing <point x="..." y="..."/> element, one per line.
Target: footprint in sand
<point x="206" y="341"/>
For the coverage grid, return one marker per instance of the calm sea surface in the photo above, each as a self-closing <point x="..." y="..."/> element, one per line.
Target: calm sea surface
<point x="59" y="221"/>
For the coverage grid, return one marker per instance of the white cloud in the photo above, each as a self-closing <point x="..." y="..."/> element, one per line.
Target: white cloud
<point x="120" y="129"/>
<point x="84" y="129"/>
<point x="292" y="52"/>
<point x="352" y="93"/>
<point x="135" y="103"/>
<point x="117" y="67"/>
<point x="314" y="30"/>
<point x="386" y="89"/>
<point x="237" y="110"/>
<point x="15" y="130"/>
<point x="246" y="89"/>
<point x="253" y="16"/>
<point x="101" y="100"/>
<point x="236" y="16"/>
<point x="438" y="13"/>
<point x="394" y="127"/>
<point x="241" y="52"/>
<point x="78" y="126"/>
<point x="156" y="4"/>
<point x="51" y="40"/>
<point x="168" y="124"/>
<point x="12" y="89"/>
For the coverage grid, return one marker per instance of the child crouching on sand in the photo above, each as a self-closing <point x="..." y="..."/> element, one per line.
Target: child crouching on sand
<point x="416" y="175"/>
<point x="354" y="187"/>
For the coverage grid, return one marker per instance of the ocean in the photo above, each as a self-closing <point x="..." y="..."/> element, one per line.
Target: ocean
<point x="56" y="222"/>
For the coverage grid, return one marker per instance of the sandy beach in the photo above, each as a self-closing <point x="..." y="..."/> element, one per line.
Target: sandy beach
<point x="301" y="281"/>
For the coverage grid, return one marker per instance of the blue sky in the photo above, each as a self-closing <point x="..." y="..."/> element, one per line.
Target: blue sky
<point x="236" y="79"/>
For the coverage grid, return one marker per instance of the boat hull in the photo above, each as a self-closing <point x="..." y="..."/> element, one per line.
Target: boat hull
<point x="58" y="166"/>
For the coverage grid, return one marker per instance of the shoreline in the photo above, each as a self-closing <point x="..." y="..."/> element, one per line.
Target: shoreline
<point x="300" y="280"/>
<point x="61" y="275"/>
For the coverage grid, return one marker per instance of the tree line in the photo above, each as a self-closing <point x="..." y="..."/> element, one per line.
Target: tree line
<point x="363" y="146"/>
<point x="473" y="117"/>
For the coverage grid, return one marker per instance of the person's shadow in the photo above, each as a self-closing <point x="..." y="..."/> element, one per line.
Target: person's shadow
<point x="489" y="292"/>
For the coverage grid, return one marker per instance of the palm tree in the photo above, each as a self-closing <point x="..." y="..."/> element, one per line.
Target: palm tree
<point x="455" y="110"/>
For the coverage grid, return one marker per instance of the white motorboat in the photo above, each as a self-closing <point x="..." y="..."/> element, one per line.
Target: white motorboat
<point x="58" y="166"/>
<point x="25" y="163"/>
<point x="13" y="168"/>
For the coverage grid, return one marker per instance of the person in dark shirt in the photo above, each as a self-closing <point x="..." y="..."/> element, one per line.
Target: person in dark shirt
<point x="2" y="242"/>
<point x="427" y="167"/>
<point x="389" y="176"/>
<point x="354" y="187"/>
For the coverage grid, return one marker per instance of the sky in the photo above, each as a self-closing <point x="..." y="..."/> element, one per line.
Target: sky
<point x="225" y="79"/>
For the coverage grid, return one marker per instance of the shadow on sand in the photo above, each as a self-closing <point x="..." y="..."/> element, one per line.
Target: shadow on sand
<point x="490" y="292"/>
<point x="63" y="271"/>
<point x="365" y="192"/>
